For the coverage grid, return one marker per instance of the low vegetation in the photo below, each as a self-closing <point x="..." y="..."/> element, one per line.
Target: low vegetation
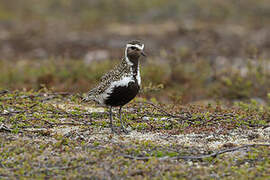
<point x="175" y="81"/>
<point x="45" y="134"/>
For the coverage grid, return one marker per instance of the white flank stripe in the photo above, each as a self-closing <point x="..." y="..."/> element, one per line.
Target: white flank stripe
<point x="138" y="77"/>
<point x="122" y="82"/>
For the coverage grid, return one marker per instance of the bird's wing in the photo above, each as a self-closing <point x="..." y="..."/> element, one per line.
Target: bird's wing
<point x="116" y="68"/>
<point x="108" y="78"/>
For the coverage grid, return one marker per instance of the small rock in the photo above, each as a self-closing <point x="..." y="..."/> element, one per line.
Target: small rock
<point x="5" y="111"/>
<point x="145" y="118"/>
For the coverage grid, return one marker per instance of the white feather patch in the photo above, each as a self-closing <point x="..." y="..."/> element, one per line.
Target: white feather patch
<point x="128" y="61"/>
<point x="136" y="45"/>
<point x="122" y="82"/>
<point x="138" y="77"/>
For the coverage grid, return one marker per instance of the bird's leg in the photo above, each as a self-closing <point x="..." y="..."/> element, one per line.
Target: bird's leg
<point x="122" y="124"/>
<point x="111" y="119"/>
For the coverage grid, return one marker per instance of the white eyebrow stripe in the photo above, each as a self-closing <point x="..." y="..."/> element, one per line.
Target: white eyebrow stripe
<point x="136" y="45"/>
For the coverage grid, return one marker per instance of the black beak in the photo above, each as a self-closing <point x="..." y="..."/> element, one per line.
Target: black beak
<point x="142" y="53"/>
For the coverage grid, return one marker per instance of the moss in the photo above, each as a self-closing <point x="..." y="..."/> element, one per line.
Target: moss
<point x="90" y="150"/>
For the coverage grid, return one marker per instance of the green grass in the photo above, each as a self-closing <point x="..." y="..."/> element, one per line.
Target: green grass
<point x="183" y="82"/>
<point x="36" y="147"/>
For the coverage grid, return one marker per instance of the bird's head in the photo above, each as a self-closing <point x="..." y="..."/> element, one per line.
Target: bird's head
<point x="134" y="50"/>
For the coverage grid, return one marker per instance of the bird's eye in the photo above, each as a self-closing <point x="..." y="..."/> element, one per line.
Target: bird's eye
<point x="133" y="48"/>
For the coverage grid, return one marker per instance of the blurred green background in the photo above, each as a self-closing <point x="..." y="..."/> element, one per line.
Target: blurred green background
<point x="198" y="50"/>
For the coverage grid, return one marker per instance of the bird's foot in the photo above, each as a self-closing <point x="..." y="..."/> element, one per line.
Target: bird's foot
<point x="113" y="130"/>
<point x="124" y="129"/>
<point x="118" y="130"/>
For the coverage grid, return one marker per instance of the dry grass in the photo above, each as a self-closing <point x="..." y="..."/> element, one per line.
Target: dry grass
<point x="52" y="135"/>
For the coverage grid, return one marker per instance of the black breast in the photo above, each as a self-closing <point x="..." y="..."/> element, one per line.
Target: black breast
<point x="121" y="95"/>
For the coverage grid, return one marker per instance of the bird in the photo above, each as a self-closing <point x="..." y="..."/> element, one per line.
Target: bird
<point x="121" y="84"/>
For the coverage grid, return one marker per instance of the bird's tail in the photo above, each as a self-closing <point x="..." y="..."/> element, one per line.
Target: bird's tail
<point x="88" y="98"/>
<point x="85" y="99"/>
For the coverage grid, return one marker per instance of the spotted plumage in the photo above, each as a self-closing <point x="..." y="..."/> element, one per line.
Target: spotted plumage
<point x="109" y="81"/>
<point x="122" y="83"/>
